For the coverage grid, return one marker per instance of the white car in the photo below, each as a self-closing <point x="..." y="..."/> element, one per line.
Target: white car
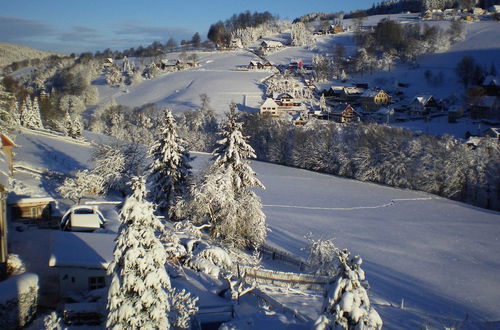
<point x="82" y="218"/>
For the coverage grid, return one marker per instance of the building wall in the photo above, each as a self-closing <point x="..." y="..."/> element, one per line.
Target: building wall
<point x="3" y="234"/>
<point x="77" y="279"/>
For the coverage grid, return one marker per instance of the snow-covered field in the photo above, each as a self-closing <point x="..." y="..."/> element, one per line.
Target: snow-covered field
<point x="181" y="90"/>
<point x="436" y="254"/>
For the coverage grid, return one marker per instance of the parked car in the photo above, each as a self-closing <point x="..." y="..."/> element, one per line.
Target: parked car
<point x="82" y="218"/>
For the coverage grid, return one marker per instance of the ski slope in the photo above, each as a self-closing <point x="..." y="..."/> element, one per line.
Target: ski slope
<point x="440" y="256"/>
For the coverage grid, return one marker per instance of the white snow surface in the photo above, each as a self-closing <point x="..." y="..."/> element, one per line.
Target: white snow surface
<point x="440" y="256"/>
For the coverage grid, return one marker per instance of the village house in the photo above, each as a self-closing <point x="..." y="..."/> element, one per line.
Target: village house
<point x="270" y="45"/>
<point x="80" y="260"/>
<point x="372" y="100"/>
<point x="335" y="28"/>
<point x="422" y="105"/>
<point x="235" y="43"/>
<point x="491" y="85"/>
<point x="281" y="105"/>
<point x="351" y="94"/>
<point x="259" y="65"/>
<point x="345" y="113"/>
<point x="167" y="64"/>
<point x="384" y="115"/>
<point x="334" y="92"/>
<point x="455" y="112"/>
<point x="492" y="132"/>
<point x="487" y="107"/>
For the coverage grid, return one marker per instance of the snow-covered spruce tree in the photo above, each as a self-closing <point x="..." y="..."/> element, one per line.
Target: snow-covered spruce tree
<point x="72" y="125"/>
<point x="347" y="305"/>
<point x="138" y="297"/>
<point x="224" y="199"/>
<point x="37" y="119"/>
<point x="28" y="119"/>
<point x="169" y="170"/>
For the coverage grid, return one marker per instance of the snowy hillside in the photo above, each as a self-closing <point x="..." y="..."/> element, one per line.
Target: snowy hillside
<point x="437" y="255"/>
<point x="216" y="78"/>
<point x="180" y="90"/>
<point x="12" y="53"/>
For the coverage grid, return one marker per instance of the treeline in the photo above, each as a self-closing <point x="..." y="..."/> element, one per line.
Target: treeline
<point x="220" y="32"/>
<point x="397" y="157"/>
<point x="375" y="153"/>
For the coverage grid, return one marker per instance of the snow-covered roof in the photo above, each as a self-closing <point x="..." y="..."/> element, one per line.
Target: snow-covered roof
<point x="269" y="102"/>
<point x="353" y="90"/>
<point x="81" y="250"/>
<point x="385" y="111"/>
<point x="371" y="93"/>
<point x="24" y="200"/>
<point x="492" y="131"/>
<point x="285" y="96"/>
<point x="422" y="99"/>
<point x="491" y="81"/>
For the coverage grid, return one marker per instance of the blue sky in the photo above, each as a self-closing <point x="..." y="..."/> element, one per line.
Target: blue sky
<point x="89" y="25"/>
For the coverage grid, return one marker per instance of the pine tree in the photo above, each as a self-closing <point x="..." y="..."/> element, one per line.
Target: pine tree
<point x="72" y="125"/>
<point x="37" y="119"/>
<point x="138" y="296"/>
<point x="27" y="118"/>
<point x="169" y="170"/>
<point x="225" y="199"/>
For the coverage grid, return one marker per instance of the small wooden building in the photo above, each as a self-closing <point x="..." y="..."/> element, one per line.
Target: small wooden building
<point x="39" y="210"/>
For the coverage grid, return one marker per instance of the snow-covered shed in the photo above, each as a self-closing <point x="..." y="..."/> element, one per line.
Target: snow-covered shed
<point x="81" y="260"/>
<point x="38" y="209"/>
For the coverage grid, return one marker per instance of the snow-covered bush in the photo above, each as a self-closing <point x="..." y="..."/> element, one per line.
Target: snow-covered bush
<point x="323" y="256"/>
<point x="347" y="304"/>
<point x="110" y="166"/>
<point x="217" y="256"/>
<point x="300" y="35"/>
<point x="18" y="300"/>
<point x="53" y="322"/>
<point x="182" y="309"/>
<point x="85" y="183"/>
<point x="15" y="265"/>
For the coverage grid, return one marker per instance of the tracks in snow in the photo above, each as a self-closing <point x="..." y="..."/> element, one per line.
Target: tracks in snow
<point x="391" y="203"/>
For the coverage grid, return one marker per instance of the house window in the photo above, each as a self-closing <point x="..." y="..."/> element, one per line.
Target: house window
<point x="97" y="282"/>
